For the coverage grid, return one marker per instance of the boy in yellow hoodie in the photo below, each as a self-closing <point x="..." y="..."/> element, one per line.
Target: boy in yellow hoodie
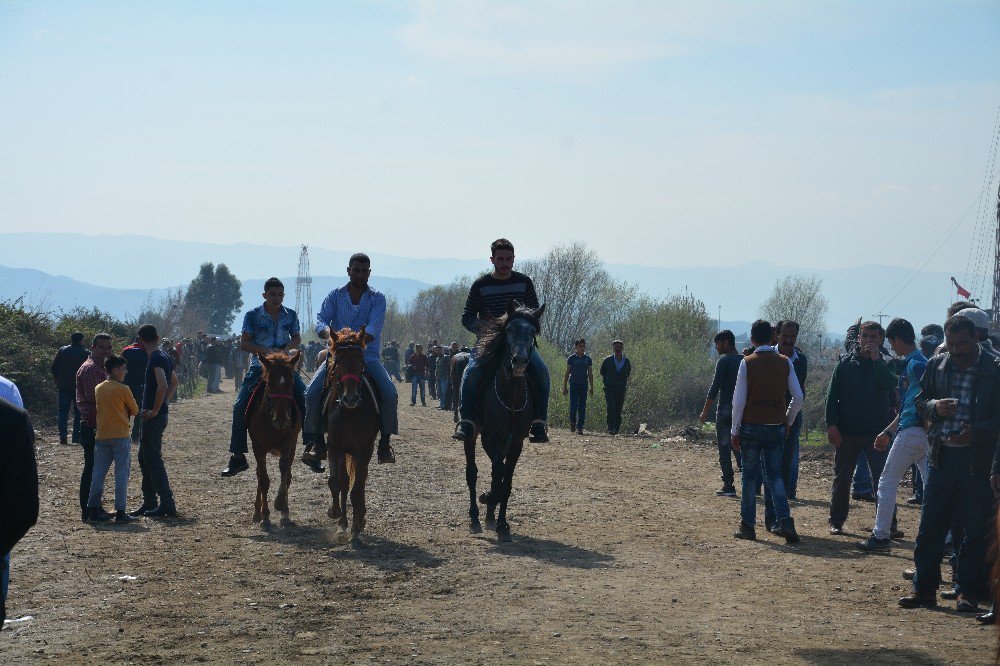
<point x="115" y="405"/>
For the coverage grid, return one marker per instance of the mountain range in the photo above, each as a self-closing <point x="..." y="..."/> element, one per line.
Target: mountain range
<point x="46" y="270"/>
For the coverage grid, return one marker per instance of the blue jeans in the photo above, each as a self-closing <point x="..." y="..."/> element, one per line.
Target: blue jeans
<point x="918" y="483"/>
<point x="443" y="392"/>
<point x="789" y="465"/>
<point x="862" y="477"/>
<point x="154" y="473"/>
<point x="762" y="446"/>
<point x="238" y="437"/>
<point x="724" y="435"/>
<point x="577" y="406"/>
<point x="418" y="380"/>
<point x="389" y="408"/>
<point x="107" y="451"/>
<point x="473" y="377"/>
<point x="950" y="488"/>
<point x="67" y="399"/>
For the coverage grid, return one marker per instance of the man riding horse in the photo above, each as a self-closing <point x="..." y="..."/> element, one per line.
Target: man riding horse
<point x="351" y="306"/>
<point x="266" y="329"/>
<point x="487" y="300"/>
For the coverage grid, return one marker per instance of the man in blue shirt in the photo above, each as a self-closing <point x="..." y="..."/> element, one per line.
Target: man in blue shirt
<point x="909" y="446"/>
<point x="352" y="306"/>
<point x="268" y="328"/>
<point x="579" y="373"/>
<point x="721" y="394"/>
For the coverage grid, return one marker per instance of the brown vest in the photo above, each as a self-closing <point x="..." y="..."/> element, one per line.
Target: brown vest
<point x="767" y="382"/>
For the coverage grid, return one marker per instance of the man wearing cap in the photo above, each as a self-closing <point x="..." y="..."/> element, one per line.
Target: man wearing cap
<point x="981" y="321"/>
<point x="615" y="371"/>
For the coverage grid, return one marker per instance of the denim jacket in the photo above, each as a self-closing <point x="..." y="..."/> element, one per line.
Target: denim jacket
<point x="985" y="409"/>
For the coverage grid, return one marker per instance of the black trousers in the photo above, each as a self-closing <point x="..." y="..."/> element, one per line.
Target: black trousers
<point x="154" y="472"/>
<point x="614" y="396"/>
<point x="87" y="438"/>
<point x="844" y="463"/>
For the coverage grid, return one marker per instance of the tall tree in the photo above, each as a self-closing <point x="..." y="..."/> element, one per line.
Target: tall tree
<point x="214" y="294"/>
<point x="799" y="297"/>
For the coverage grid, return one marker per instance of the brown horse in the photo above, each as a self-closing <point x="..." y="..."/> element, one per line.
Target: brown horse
<point x="352" y="423"/>
<point x="274" y="423"/>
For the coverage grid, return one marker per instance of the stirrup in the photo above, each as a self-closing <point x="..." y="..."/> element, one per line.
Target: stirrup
<point x="460" y="433"/>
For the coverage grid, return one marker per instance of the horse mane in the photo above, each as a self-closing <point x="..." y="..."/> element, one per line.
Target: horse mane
<point x="279" y="357"/>
<point x="491" y="341"/>
<point x="346" y="336"/>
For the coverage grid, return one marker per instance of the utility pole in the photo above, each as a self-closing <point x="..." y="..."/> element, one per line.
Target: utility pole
<point x="303" y="290"/>
<point x="719" y="320"/>
<point x="880" y="316"/>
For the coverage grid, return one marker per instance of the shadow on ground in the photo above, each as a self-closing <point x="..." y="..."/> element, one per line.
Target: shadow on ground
<point x="554" y="552"/>
<point x="833" y="656"/>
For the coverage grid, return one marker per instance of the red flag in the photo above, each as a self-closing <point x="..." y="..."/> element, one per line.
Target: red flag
<point x="962" y="291"/>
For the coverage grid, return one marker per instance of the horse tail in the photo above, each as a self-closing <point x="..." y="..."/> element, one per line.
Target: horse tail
<point x="351" y="467"/>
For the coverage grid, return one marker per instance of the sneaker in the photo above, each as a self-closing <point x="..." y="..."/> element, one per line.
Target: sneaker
<point x="987" y="618"/>
<point x="727" y="491"/>
<point x="967" y="604"/>
<point x="142" y="510"/>
<point x="836" y="529"/>
<point x="746" y="532"/>
<point x="950" y="594"/>
<point x="122" y="517"/>
<point x="913" y="500"/>
<point x="98" y="515"/>
<point x="162" y="512"/>
<point x="897" y="534"/>
<point x="918" y="600"/>
<point x="908" y="574"/>
<point x="873" y="544"/>
<point x="863" y="497"/>
<point x="237" y="463"/>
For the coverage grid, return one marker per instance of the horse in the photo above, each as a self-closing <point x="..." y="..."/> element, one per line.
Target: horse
<point x="505" y="409"/>
<point x="352" y="424"/>
<point x="273" y="423"/>
<point x="456" y="368"/>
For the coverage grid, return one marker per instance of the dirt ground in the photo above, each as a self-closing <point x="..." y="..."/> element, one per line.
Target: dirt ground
<point x="621" y="553"/>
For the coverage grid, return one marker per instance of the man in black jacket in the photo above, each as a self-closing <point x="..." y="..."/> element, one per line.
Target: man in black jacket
<point x="64" y="366"/>
<point x="18" y="486"/>
<point x="615" y="371"/>
<point x="960" y="397"/>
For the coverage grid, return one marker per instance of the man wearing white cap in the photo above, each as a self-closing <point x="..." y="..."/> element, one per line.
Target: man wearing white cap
<point x="982" y="323"/>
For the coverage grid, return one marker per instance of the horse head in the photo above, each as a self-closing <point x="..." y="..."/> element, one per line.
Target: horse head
<point x="347" y="354"/>
<point x="279" y="384"/>
<point x="523" y="324"/>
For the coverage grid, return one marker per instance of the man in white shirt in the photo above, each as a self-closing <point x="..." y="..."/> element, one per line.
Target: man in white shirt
<point x="761" y="423"/>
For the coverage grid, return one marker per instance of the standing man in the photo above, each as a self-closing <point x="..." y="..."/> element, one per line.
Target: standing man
<point x="214" y="356"/>
<point x="443" y="363"/>
<point x="18" y="480"/>
<point x="390" y="358"/>
<point x="760" y="425"/>
<point x="960" y="397"/>
<point x="858" y="405"/>
<point x="579" y="373"/>
<point x="90" y="374"/>
<point x="723" y="385"/>
<point x="267" y="328"/>
<point x="418" y="363"/>
<point x="788" y="335"/>
<point x="158" y="387"/>
<point x="487" y="300"/>
<point x="136" y="360"/>
<point x="352" y="306"/>
<point x="432" y="354"/>
<point x="906" y="434"/>
<point x="615" y="371"/>
<point x="64" y="366"/>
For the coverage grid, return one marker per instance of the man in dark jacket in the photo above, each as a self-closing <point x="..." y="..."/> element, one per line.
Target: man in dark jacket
<point x="615" y="371"/>
<point x="858" y="405"/>
<point x="64" y="366"/>
<point x="136" y="360"/>
<point x="18" y="486"/>
<point x="960" y="397"/>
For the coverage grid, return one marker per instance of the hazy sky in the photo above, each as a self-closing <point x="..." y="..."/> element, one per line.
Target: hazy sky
<point x="803" y="133"/>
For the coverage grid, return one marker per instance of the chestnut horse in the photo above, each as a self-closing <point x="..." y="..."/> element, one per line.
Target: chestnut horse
<point x="273" y="422"/>
<point x="352" y="424"/>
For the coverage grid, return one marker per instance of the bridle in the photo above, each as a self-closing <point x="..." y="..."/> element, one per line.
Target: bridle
<point x="268" y="397"/>
<point x="340" y="379"/>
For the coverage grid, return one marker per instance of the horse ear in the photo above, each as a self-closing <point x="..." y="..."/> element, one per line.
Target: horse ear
<point x="263" y="361"/>
<point x="333" y="337"/>
<point x="539" y="311"/>
<point x="361" y="336"/>
<point x="294" y="356"/>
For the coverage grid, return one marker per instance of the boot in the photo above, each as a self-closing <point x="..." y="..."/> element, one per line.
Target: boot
<point x="538" y="433"/>
<point x="787" y="530"/>
<point x="237" y="463"/>
<point x="465" y="430"/>
<point x="385" y="454"/>
<point x="918" y="600"/>
<point x="746" y="532"/>
<point x="142" y="510"/>
<point x="314" y="454"/>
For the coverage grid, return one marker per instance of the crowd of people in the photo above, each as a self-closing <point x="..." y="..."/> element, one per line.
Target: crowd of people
<point x="931" y="406"/>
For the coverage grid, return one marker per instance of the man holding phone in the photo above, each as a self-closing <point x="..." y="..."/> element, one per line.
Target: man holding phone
<point x="960" y="397"/>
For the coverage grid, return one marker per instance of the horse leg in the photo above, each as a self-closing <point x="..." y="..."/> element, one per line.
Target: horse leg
<point x="345" y="487"/>
<point x="261" y="510"/>
<point x="503" y="529"/>
<point x="471" y="474"/>
<point x="333" y="464"/>
<point x="285" y="467"/>
<point x="360" y="469"/>
<point x="496" y="481"/>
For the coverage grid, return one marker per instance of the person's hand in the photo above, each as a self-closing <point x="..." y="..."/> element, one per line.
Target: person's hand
<point x="946" y="407"/>
<point x="736" y="442"/>
<point x="963" y="436"/>
<point x="882" y="441"/>
<point x="149" y="414"/>
<point x="833" y="435"/>
<point x="995" y="483"/>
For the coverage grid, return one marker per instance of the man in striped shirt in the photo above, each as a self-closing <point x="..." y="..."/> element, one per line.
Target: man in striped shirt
<point x="487" y="300"/>
<point x="353" y="305"/>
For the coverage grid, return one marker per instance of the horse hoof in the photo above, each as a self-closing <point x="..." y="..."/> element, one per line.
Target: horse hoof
<point x="333" y="512"/>
<point x="476" y="527"/>
<point x="491" y="522"/>
<point x="355" y="541"/>
<point x="286" y="522"/>
<point x="256" y="517"/>
<point x="484" y="498"/>
<point x="503" y="535"/>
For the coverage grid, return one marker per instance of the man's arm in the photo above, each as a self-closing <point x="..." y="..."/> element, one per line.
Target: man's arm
<point x="566" y="378"/>
<point x="530" y="295"/>
<point x="626" y="370"/>
<point x="805" y="372"/>
<point x="798" y="398"/>
<point x="470" y="314"/>
<point x="590" y="376"/>
<point x="376" y="318"/>
<point x="325" y="316"/>
<point x="884" y="379"/>
<point x="604" y="369"/>
<point x="713" y="391"/>
<point x="162" y="386"/>
<point x="55" y="365"/>
<point x="925" y="401"/>
<point x="832" y="398"/>
<point x="739" y="397"/>
<point x="174" y="382"/>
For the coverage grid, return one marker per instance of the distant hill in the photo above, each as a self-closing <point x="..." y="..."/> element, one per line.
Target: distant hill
<point x="144" y="266"/>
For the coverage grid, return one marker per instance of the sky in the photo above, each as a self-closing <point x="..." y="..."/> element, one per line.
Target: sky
<point x="818" y="134"/>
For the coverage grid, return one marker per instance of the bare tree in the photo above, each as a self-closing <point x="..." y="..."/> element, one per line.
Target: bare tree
<point x="436" y="313"/>
<point x="580" y="296"/>
<point x="800" y="298"/>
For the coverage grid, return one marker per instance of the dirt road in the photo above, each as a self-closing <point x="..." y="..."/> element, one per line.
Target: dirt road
<point x="621" y="553"/>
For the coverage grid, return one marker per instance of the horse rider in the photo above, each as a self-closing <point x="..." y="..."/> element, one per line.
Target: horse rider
<point x="268" y="328"/>
<point x="352" y="306"/>
<point x="487" y="300"/>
